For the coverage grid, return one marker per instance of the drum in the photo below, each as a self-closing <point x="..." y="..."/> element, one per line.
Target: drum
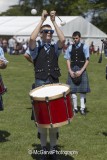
<point x="3" y="89"/>
<point x="52" y="105"/>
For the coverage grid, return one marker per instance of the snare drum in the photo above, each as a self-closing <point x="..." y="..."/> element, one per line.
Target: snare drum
<point x="3" y="89"/>
<point x="52" y="105"/>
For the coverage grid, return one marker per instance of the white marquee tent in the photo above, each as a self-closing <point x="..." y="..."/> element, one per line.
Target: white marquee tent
<point x="22" y="26"/>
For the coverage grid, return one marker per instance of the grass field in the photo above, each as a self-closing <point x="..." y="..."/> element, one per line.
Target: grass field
<point x="86" y="134"/>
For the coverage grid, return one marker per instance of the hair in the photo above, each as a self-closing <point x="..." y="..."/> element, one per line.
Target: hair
<point x="76" y="33"/>
<point x="45" y="25"/>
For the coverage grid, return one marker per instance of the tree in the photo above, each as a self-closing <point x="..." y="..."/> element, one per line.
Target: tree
<point x="97" y="9"/>
<point x="99" y="18"/>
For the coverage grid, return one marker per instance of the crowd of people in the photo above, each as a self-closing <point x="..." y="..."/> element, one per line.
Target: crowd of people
<point x="94" y="49"/>
<point x="13" y="46"/>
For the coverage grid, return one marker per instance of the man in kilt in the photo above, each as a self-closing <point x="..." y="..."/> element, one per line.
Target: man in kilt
<point x="77" y="56"/>
<point x="45" y="59"/>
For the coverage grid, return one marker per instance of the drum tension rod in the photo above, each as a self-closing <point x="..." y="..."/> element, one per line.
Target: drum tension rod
<point x="65" y="101"/>
<point x="47" y="101"/>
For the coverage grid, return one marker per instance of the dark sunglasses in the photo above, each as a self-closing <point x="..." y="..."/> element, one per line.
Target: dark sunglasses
<point x="47" y="31"/>
<point x="75" y="38"/>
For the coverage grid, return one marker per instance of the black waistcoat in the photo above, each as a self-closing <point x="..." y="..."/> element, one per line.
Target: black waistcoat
<point x="77" y="56"/>
<point x="46" y="64"/>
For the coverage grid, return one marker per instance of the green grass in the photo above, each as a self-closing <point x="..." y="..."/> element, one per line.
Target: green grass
<point x="86" y="134"/>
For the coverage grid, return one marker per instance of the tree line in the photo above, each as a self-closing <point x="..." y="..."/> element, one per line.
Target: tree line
<point x="95" y="9"/>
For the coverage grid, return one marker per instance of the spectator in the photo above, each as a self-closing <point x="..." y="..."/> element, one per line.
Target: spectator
<point x="77" y="56"/>
<point x="4" y="45"/>
<point x="91" y="48"/>
<point x="11" y="45"/>
<point x="105" y="46"/>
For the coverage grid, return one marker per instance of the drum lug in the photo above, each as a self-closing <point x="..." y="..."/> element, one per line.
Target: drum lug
<point x="47" y="99"/>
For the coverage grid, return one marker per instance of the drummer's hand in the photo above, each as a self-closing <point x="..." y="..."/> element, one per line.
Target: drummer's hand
<point x="52" y="15"/>
<point x="2" y="64"/>
<point x="44" y="15"/>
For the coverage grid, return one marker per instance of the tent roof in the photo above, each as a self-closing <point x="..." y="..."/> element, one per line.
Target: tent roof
<point x="24" y="25"/>
<point x="86" y="29"/>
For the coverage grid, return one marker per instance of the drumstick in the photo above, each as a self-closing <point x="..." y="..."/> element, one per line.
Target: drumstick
<point x="59" y="18"/>
<point x="62" y="22"/>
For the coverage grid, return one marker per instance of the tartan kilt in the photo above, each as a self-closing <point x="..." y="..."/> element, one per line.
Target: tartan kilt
<point x="83" y="87"/>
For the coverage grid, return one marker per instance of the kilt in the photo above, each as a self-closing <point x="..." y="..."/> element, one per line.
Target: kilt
<point x="83" y="87"/>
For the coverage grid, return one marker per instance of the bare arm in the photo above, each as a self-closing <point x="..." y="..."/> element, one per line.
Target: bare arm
<point x="58" y="31"/>
<point x="69" y="69"/>
<point x="35" y="33"/>
<point x="78" y="73"/>
<point x="85" y="65"/>
<point x="28" y="58"/>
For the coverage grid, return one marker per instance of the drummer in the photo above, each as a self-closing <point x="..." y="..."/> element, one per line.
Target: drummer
<point x="3" y="65"/>
<point x="45" y="60"/>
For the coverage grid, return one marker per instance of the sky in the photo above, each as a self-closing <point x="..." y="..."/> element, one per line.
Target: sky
<point x="5" y="4"/>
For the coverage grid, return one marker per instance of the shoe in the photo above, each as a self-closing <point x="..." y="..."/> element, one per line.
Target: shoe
<point x="53" y="155"/>
<point x="44" y="155"/>
<point x="75" y="111"/>
<point x="82" y="112"/>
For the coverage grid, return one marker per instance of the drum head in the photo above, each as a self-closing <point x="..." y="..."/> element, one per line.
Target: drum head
<point x="52" y="91"/>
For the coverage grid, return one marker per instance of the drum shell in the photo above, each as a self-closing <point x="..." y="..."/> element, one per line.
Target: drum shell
<point x="61" y="112"/>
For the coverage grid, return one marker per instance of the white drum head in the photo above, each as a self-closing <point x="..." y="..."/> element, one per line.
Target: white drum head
<point x="52" y="91"/>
